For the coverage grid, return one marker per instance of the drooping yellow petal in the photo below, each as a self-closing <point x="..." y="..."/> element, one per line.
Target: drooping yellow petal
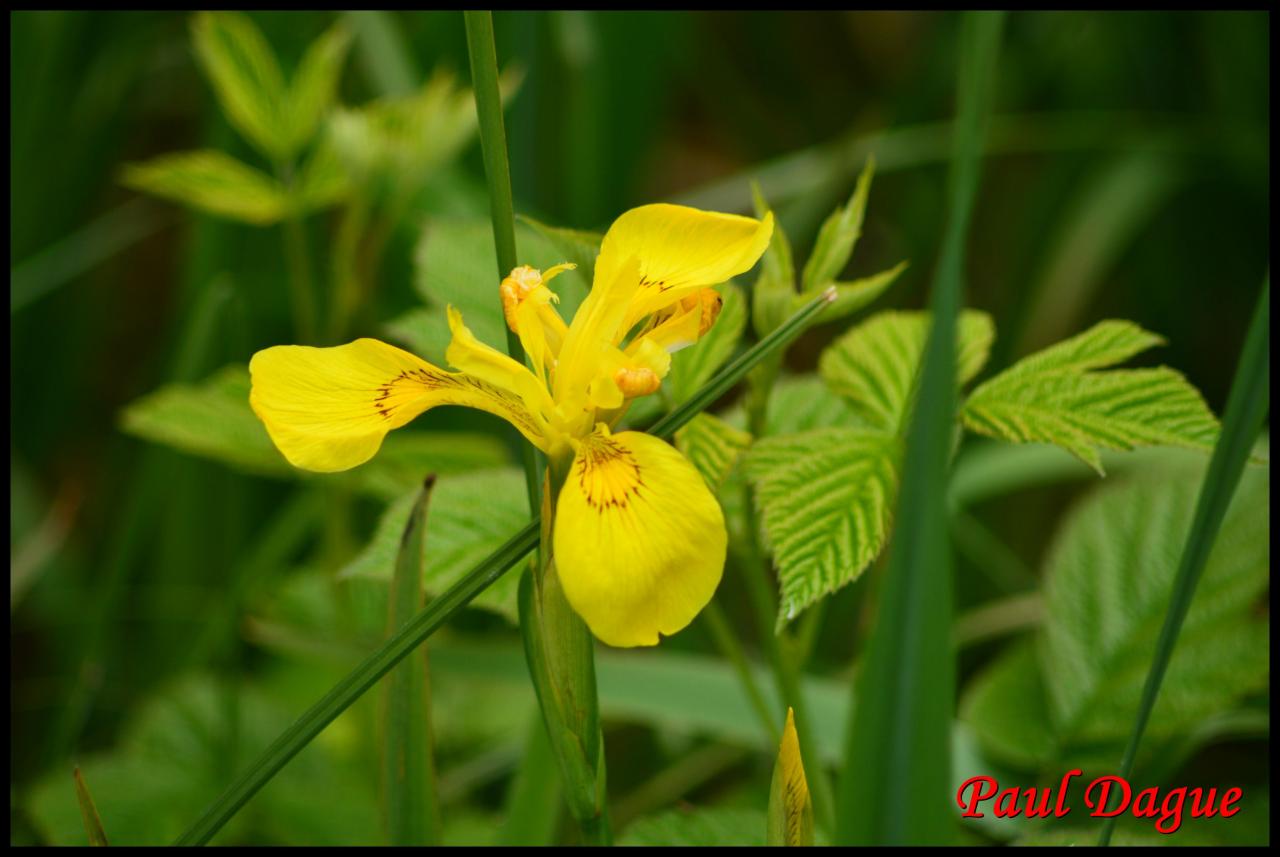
<point x="681" y="250"/>
<point x="489" y="364"/>
<point x="327" y="409"/>
<point x="639" y="539"/>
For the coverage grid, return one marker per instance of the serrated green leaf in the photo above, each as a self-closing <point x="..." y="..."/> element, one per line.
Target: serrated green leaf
<point x="875" y="365"/>
<point x="212" y="419"/>
<point x="576" y="245"/>
<point x="1069" y="699"/>
<point x="798" y="403"/>
<point x="827" y="498"/>
<point x="246" y="79"/>
<point x="213" y="182"/>
<point x="472" y="514"/>
<point x="314" y="85"/>
<point x="1108" y="578"/>
<point x="455" y="264"/>
<point x="692" y="367"/>
<point x="713" y="446"/>
<point x="776" y="283"/>
<point x="699" y="827"/>
<point x="838" y="235"/>
<point x="1055" y="397"/>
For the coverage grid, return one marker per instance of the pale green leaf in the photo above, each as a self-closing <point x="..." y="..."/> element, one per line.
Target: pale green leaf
<point x="322" y="181"/>
<point x="838" y="235"/>
<point x="699" y="827"/>
<point x="692" y="367"/>
<point x="213" y="182"/>
<point x="456" y="264"/>
<point x="713" y="446"/>
<point x="801" y="402"/>
<point x="853" y="295"/>
<point x="1006" y="707"/>
<point x="575" y="245"/>
<point x="775" y="286"/>
<point x="1054" y="396"/>
<point x="314" y="84"/>
<point x="246" y="79"/>
<point x="827" y="498"/>
<point x="876" y="363"/>
<point x="472" y="514"/>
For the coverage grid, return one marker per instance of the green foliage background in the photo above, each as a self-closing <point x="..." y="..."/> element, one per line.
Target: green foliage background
<point x="1127" y="178"/>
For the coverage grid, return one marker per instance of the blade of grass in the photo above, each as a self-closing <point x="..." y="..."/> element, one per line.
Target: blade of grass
<point x="314" y="720"/>
<point x="896" y="782"/>
<point x="388" y="65"/>
<point x="497" y="171"/>
<point x="413" y="812"/>
<point x="1246" y="408"/>
<point x="92" y="823"/>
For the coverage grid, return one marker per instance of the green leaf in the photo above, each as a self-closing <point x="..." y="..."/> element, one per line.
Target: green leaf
<point x="838" y="235"/>
<point x="827" y="498"/>
<point x="693" y="366"/>
<point x="875" y="365"/>
<point x="322" y="181"/>
<point x="456" y="265"/>
<point x="214" y="182"/>
<point x="213" y="419"/>
<point x="798" y="403"/>
<point x="713" y="446"/>
<point x="790" y="820"/>
<point x="408" y="768"/>
<point x="472" y="515"/>
<point x="775" y="285"/>
<point x="1055" y="397"/>
<point x="1071" y="698"/>
<point x="246" y="79"/>
<point x="576" y="245"/>
<point x="853" y="295"/>
<point x="314" y="85"/>
<point x="699" y="827"/>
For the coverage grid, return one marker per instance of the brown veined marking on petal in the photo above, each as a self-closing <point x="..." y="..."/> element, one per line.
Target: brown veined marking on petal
<point x="608" y="474"/>
<point x="410" y="384"/>
<point x="646" y="282"/>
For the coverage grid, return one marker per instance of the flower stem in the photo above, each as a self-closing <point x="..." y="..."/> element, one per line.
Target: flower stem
<point x="296" y="257"/>
<point x="721" y="632"/>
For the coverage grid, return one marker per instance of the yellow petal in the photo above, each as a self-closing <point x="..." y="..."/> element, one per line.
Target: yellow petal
<point x="639" y="540"/>
<point x="489" y="364"/>
<point x="680" y="250"/>
<point x="327" y="409"/>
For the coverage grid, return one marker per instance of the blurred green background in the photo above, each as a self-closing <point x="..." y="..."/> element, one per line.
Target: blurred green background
<point x="1128" y="177"/>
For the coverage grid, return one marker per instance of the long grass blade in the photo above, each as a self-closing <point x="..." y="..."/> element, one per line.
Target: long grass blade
<point x="92" y="823"/>
<point x="314" y="720"/>
<point x="534" y="799"/>
<point x="413" y="813"/>
<point x="896" y="776"/>
<point x="1246" y="408"/>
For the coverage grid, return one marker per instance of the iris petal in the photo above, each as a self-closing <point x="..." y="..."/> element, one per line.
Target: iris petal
<point x="639" y="539"/>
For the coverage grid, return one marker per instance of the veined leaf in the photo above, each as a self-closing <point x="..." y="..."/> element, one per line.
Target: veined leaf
<point x="875" y="365"/>
<point x="314" y="84"/>
<point x="1055" y="397"/>
<point x="838" y="235"/>
<point x="790" y="819"/>
<point x="713" y="446"/>
<point x="471" y="515"/>
<point x="827" y="500"/>
<point x="693" y="366"/>
<point x="214" y="182"/>
<point x="246" y="79"/>
<point x="801" y="402"/>
<point x="1069" y="699"/>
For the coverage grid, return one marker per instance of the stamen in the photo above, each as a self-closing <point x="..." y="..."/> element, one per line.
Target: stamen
<point x="637" y="382"/>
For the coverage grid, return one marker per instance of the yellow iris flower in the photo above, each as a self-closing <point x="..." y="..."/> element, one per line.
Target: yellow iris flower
<point x="638" y="539"/>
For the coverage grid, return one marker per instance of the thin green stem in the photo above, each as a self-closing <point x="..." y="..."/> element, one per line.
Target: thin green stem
<point x="444" y="606"/>
<point x="497" y="171"/>
<point x="298" y="259"/>
<point x="727" y="642"/>
<point x="1246" y="408"/>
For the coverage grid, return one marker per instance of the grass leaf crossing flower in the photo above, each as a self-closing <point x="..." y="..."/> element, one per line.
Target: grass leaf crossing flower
<point x="638" y="538"/>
